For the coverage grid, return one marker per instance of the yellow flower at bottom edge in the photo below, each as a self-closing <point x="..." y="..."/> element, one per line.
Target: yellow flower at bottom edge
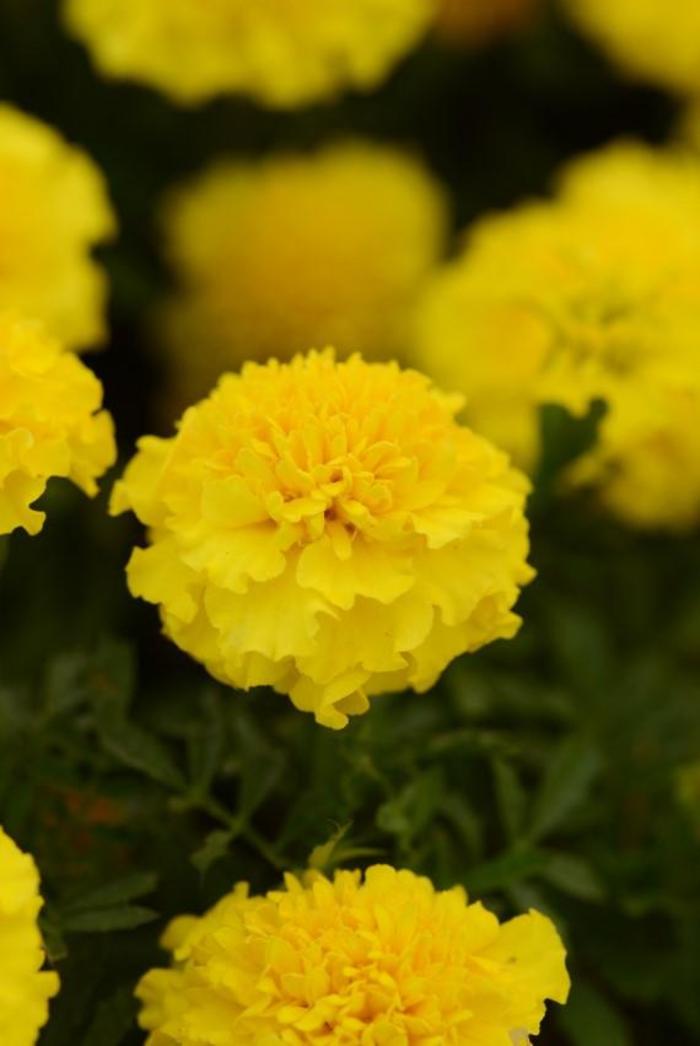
<point x="25" y="988"/>
<point x="594" y="295"/>
<point x="382" y="960"/>
<point x="271" y="257"/>
<point x="283" y="53"/>
<point x="475" y="21"/>
<point x="54" y="209"/>
<point x="329" y="530"/>
<point x="51" y="424"/>
<point x="647" y="38"/>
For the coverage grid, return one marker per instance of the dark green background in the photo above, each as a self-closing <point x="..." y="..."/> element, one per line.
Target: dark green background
<point x="541" y="772"/>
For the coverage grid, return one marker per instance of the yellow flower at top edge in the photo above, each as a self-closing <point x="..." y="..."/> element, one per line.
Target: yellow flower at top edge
<point x="475" y="21"/>
<point x="50" y="422"/>
<point x="592" y="296"/>
<point x="382" y="959"/>
<point x="273" y="256"/>
<point x="53" y="210"/>
<point x="285" y="53"/>
<point x="329" y="530"/>
<point x="25" y="988"/>
<point x="647" y="38"/>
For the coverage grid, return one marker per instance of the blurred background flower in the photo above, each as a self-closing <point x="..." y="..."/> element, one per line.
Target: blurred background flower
<point x="297" y="251"/>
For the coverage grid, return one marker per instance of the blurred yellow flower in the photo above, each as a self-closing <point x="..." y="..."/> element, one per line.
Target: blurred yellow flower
<point x="647" y="38"/>
<point x="329" y="530"/>
<point x="272" y="257"/>
<point x="284" y="53"/>
<point x="50" y="422"/>
<point x="25" y="988"/>
<point x="382" y="959"/>
<point x="53" y="210"/>
<point x="595" y="295"/>
<point x="474" y="21"/>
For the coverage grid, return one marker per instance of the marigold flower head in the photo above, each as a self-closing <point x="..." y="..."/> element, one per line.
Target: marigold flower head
<point x="283" y="53"/>
<point x="50" y="422"/>
<point x="594" y="296"/>
<point x="474" y="21"/>
<point x="274" y="256"/>
<point x="646" y="37"/>
<point x="25" y="988"/>
<point x="53" y="210"/>
<point x="384" y="959"/>
<point x="329" y="530"/>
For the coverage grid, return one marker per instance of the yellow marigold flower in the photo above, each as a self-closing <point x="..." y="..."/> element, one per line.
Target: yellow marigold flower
<point x="50" y="422"/>
<point x="646" y="37"/>
<point x="382" y="960"/>
<point x="283" y="54"/>
<point x="327" y="529"/>
<point x="595" y="295"/>
<point x="294" y="251"/>
<point x="25" y="988"/>
<point x="53" y="210"/>
<point x="474" y="21"/>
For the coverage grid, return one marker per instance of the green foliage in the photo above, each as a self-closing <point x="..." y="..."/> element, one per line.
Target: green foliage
<point x="542" y="772"/>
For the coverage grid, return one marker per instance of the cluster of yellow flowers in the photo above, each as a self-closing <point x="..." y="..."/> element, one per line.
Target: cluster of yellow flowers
<point x="592" y="296"/>
<point x="25" y="987"/>
<point x="294" y="251"/>
<point x="283" y="54"/>
<point x="329" y="530"/>
<point x="53" y="209"/>
<point x="646" y="37"/>
<point x="50" y="422"/>
<point x="384" y="960"/>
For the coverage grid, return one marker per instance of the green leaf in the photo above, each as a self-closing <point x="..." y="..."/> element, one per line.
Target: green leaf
<point x="574" y="876"/>
<point x="321" y="856"/>
<point x="118" y="892"/>
<point x="511" y="798"/>
<point x="139" y="750"/>
<point x="570" y="774"/>
<point x="106" y="920"/>
<point x="589" y="1019"/>
<point x="114" y="1018"/>
<point x="504" y="871"/>
<point x="206" y="744"/>
<point x="215" y="846"/>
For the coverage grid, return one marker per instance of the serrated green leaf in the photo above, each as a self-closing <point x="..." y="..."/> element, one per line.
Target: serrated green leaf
<point x="504" y="871"/>
<point x="136" y="748"/>
<point x="114" y="1018"/>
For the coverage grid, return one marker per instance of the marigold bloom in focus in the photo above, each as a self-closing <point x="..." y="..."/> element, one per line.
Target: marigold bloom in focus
<point x="283" y="53"/>
<point x="647" y="38"/>
<point x="595" y="295"/>
<point x="274" y="256"/>
<point x="50" y="422"/>
<point x="329" y="530"/>
<point x="384" y="959"/>
<point x="25" y="988"/>
<point x="474" y="21"/>
<point x="53" y="210"/>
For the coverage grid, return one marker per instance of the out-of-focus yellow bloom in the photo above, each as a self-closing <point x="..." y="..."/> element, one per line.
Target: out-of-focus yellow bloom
<point x="329" y="530"/>
<point x="593" y="296"/>
<point x="474" y="21"/>
<point x="50" y="422"/>
<point x="53" y="210"/>
<point x="272" y="257"/>
<point x="647" y="38"/>
<point x="284" y="53"/>
<point x="383" y="960"/>
<point x="25" y="988"/>
<point x="689" y="124"/>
